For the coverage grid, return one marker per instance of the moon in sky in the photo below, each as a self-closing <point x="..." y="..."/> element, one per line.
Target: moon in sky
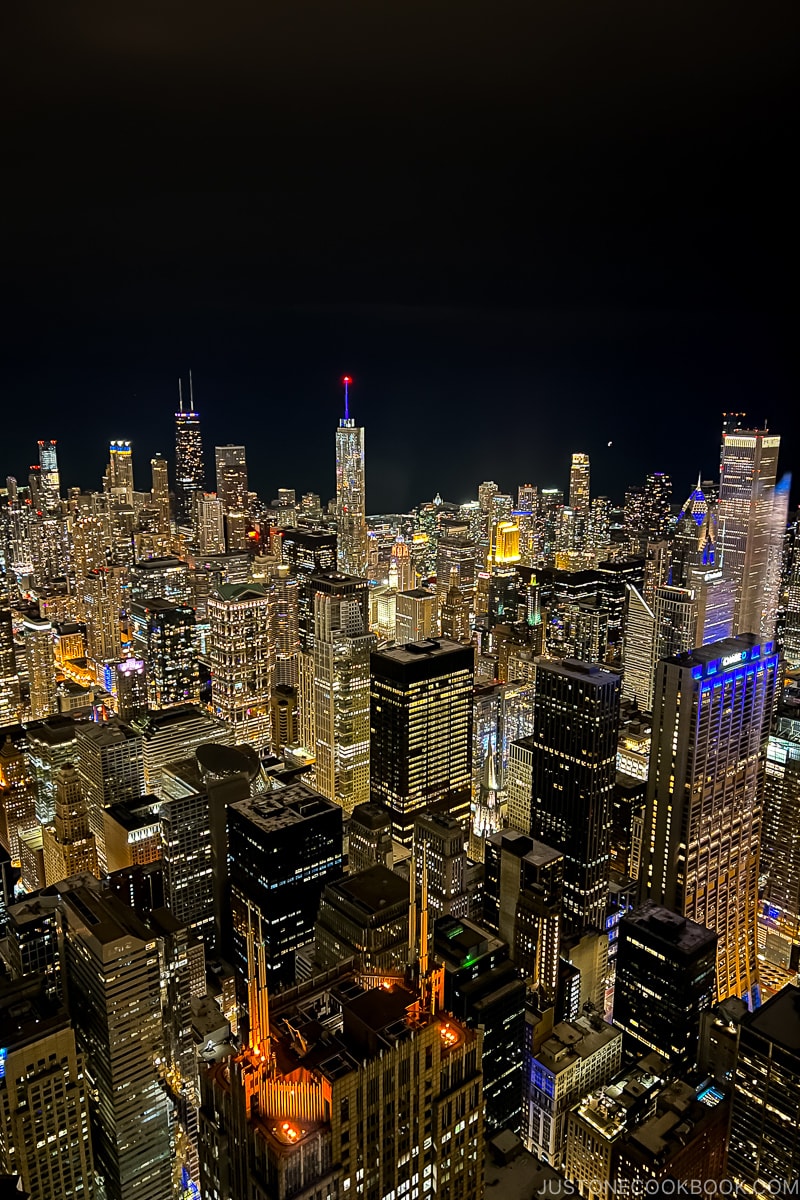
<point x="611" y="443"/>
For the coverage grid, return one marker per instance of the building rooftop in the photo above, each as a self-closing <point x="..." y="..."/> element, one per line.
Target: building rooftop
<point x="371" y="815"/>
<point x="111" y="733"/>
<point x="571" y="1040"/>
<point x="372" y="890"/>
<point x="27" y="1013"/>
<point x="778" y="1020"/>
<point x="157" y="604"/>
<point x="612" y="1110"/>
<point x="290" y="805"/>
<point x="430" y="649"/>
<point x="106" y="917"/>
<point x="418" y="593"/>
<point x="725" y="654"/>
<point x="240" y="593"/>
<point x="576" y="669"/>
<point x="661" y="924"/>
<point x="161" y="722"/>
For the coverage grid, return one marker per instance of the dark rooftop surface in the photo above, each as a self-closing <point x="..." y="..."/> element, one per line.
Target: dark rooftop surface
<point x="779" y="1019"/>
<point x="374" y="889"/>
<point x="667" y="926"/>
<point x="370" y="815"/>
<point x="412" y="652"/>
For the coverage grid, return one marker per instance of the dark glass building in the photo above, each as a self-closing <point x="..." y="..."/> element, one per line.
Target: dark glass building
<point x="666" y="977"/>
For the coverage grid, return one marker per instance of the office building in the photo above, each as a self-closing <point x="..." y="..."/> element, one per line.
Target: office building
<point x="10" y="700"/>
<point x="483" y="988"/>
<point x="68" y="844"/>
<point x="283" y="848"/>
<point x="242" y="660"/>
<point x="705" y="796"/>
<point x="439" y="844"/>
<point x="779" y="865"/>
<point x="763" y="1148"/>
<point x="310" y="1077"/>
<point x="665" y="980"/>
<point x="131" y="681"/>
<point x="574" y="746"/>
<point x="421" y="737"/>
<point x="170" y="736"/>
<point x="210" y="524"/>
<point x="370" y="838"/>
<point x="577" y="1057"/>
<point x="189" y="470"/>
<point x="341" y="689"/>
<point x="44" y="1105"/>
<point x="165" y="578"/>
<point x="366" y="917"/>
<point x="164" y="637"/>
<point x="752" y="511"/>
<point x="187" y="861"/>
<point x="132" y="834"/>
<point x="455" y="610"/>
<point x="41" y="667"/>
<point x="111" y="767"/>
<point x="111" y="962"/>
<point x="232" y="490"/>
<point x="286" y="626"/>
<point x="639" y="648"/>
<point x="351" y="522"/>
<point x="17" y="797"/>
<point x="416" y="616"/>
<point x="104" y="604"/>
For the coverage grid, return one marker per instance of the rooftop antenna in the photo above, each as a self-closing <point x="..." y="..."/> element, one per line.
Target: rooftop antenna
<point x="346" y="381"/>
<point x="180" y="394"/>
<point x="191" y="393"/>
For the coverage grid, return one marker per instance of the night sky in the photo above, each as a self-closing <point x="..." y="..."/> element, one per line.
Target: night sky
<point x="524" y="229"/>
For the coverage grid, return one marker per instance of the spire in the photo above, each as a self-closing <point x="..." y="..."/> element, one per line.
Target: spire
<point x="191" y="393"/>
<point x="489" y="782"/>
<point x="347" y="381"/>
<point x="180" y="395"/>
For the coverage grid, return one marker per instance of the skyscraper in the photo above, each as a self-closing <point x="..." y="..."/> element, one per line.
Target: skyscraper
<point x="242" y="660"/>
<point x="189" y="472"/>
<point x="704" y="801"/>
<point x="415" y="615"/>
<point x="68" y="844"/>
<point x="341" y="651"/>
<point x="232" y="490"/>
<point x="50" y="478"/>
<point x="421" y="734"/>
<point x="120" y="472"/>
<point x="111" y="767"/>
<point x="10" y="702"/>
<point x="351" y="523"/>
<point x="41" y="667"/>
<point x="574" y="744"/>
<point x="164" y="637"/>
<point x="159" y="493"/>
<point x="753" y="517"/>
<point x="113" y="981"/>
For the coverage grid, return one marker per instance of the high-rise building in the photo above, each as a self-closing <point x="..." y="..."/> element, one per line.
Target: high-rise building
<point x="283" y="848"/>
<point x="111" y="767"/>
<point x="50" y="480"/>
<point x="705" y="793"/>
<point x="421" y="736"/>
<point x="752" y="512"/>
<point x="365" y="916"/>
<point x="131" y="680"/>
<point x="285" y="626"/>
<point x="370" y="838"/>
<point x="165" y="578"/>
<point x="351" y="521"/>
<point x="232" y="490"/>
<point x="104" y="603"/>
<point x="41" y="667"/>
<point x="639" y="650"/>
<point x="665" y="979"/>
<point x="10" y="702"/>
<point x="455" y="611"/>
<point x="50" y="745"/>
<point x="114" y="986"/>
<point x="580" y="501"/>
<point x="189" y="472"/>
<point x="415" y="615"/>
<point x="779" y="865"/>
<point x="341" y="672"/>
<point x="574" y="745"/>
<point x="439" y="852"/>
<point x="164" y="637"/>
<point x="210" y="524"/>
<point x="242" y="660"/>
<point x="175" y="734"/>
<point x="69" y="845"/>
<point x="310" y="1075"/>
<point x="763" y="1149"/>
<point x="44" y="1105"/>
<point x="120" y="472"/>
<point x="17" y="797"/>
<point x="159" y="492"/>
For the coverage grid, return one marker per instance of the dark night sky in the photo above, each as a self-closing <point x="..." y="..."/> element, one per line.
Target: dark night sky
<point x="523" y="228"/>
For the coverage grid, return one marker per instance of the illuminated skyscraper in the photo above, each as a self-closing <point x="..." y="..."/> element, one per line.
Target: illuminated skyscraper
<point x="159" y="493"/>
<point x="415" y="615"/>
<point x="164" y="637"/>
<point x="421" y="728"/>
<point x="341" y="651"/>
<point x="242" y="660"/>
<point x="104" y="589"/>
<point x="44" y="1105"/>
<point x="189" y="473"/>
<point x="711" y="718"/>
<point x="210" y="524"/>
<point x="50" y="478"/>
<point x="231" y="463"/>
<point x="580" y="498"/>
<point x="120" y="472"/>
<point x="111" y="767"/>
<point x="10" y="703"/>
<point x="41" y="667"/>
<point x="351" y="523"/>
<point x="753" y="517"/>
<point x="639" y="650"/>
<point x="69" y="847"/>
<point x="285" y="626"/>
<point x="112" y="965"/>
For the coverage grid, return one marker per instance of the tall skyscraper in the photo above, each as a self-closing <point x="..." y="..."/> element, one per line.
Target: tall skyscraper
<point x="574" y="744"/>
<point x="159" y="493"/>
<point x="10" y="702"/>
<point x="120" y="472"/>
<point x="49" y="476"/>
<point x="232" y="490"/>
<point x="341" y="651"/>
<point x="189" y="472"/>
<point x="763" y="1149"/>
<point x="164" y="637"/>
<point x="704" y="801"/>
<point x="114" y="985"/>
<point x="351" y="522"/>
<point x="210" y="524"/>
<point x="421" y="731"/>
<point x="415" y="615"/>
<point x="285" y="626"/>
<point x="579" y="502"/>
<point x="41" y="667"/>
<point x="242" y="660"/>
<point x="68" y="844"/>
<point x="111" y="767"/>
<point x="753" y="517"/>
<point x="44" y="1104"/>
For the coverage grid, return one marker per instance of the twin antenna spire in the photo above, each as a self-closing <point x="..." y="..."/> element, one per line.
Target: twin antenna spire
<point x="191" y="394"/>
